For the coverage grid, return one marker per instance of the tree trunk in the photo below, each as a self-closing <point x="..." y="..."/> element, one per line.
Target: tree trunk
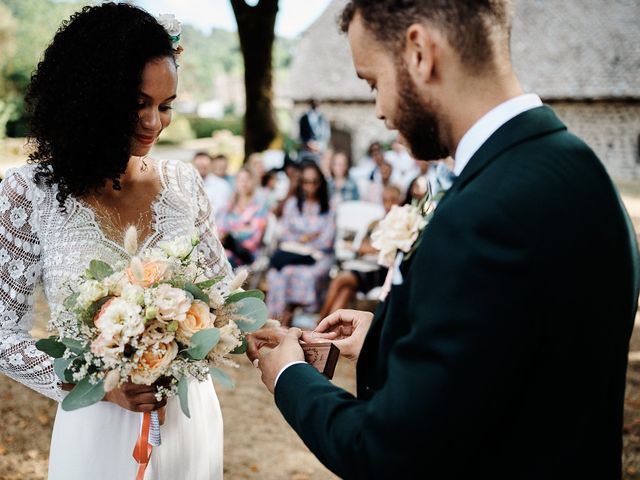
<point x="256" y="31"/>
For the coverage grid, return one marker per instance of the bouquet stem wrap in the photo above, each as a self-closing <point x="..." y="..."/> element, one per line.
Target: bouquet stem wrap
<point x="149" y="437"/>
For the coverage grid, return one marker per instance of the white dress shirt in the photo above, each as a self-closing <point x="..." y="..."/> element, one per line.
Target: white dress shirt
<point x="488" y="124"/>
<point x="475" y="137"/>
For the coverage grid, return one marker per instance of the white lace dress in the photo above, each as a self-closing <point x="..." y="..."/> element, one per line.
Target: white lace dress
<point x="38" y="242"/>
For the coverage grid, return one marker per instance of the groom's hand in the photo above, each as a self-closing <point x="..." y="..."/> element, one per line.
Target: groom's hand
<point x="347" y="329"/>
<point x="271" y="363"/>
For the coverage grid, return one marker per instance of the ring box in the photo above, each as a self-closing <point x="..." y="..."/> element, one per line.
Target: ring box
<point x="322" y="356"/>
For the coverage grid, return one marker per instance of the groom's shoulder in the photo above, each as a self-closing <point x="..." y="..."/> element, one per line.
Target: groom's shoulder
<point x="548" y="170"/>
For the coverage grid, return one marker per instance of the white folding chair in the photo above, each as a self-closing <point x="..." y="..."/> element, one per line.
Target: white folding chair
<point x="353" y="218"/>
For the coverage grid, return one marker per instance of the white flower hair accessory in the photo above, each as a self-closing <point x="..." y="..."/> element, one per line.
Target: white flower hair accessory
<point x="173" y="28"/>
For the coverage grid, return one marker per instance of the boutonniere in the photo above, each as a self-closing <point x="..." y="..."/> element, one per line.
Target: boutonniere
<point x="400" y="230"/>
<point x="398" y="235"/>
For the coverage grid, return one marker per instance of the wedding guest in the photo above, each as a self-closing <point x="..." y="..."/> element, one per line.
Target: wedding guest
<point x="216" y="187"/>
<point x="242" y="223"/>
<point x="292" y="173"/>
<point x="255" y="163"/>
<point x="220" y="167"/>
<point x="374" y="188"/>
<point x="362" y="171"/>
<point x="343" y="288"/>
<point x="202" y="163"/>
<point x="468" y="369"/>
<point x="315" y="133"/>
<point x="341" y="187"/>
<point x="300" y="268"/>
<point x="268" y="189"/>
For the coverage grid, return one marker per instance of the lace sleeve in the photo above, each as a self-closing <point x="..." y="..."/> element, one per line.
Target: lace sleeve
<point x="19" y="271"/>
<point x="210" y="245"/>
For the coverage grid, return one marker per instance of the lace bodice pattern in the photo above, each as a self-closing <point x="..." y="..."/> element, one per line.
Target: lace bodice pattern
<point x="40" y="243"/>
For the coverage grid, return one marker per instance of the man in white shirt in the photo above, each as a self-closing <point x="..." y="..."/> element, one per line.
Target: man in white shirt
<point x="529" y="262"/>
<point x="212" y="171"/>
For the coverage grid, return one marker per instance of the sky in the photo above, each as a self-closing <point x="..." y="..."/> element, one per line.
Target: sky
<point x="294" y="16"/>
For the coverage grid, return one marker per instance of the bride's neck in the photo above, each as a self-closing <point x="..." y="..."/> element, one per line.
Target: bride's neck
<point x="136" y="167"/>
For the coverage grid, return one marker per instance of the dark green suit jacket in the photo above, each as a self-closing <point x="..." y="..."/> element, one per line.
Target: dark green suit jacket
<point x="503" y="353"/>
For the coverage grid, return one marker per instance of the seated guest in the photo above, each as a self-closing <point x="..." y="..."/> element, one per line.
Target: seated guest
<point x="373" y="189"/>
<point x="292" y="181"/>
<point x="300" y="267"/>
<point x="341" y="187"/>
<point x="216" y="187"/>
<point x="242" y="224"/>
<point x="347" y="283"/>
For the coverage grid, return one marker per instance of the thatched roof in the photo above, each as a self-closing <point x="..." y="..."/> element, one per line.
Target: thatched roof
<point x="562" y="49"/>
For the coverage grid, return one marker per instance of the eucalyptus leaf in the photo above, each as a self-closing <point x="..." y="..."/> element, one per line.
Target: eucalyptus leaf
<point x="233" y="298"/>
<point x="202" y="342"/>
<point x="70" y="301"/>
<point x="221" y="377"/>
<point x="60" y="366"/>
<point x="183" y="395"/>
<point x="242" y="348"/>
<point x="99" y="269"/>
<point x="197" y="292"/>
<point x="209" y="283"/>
<point x="75" y="346"/>
<point x="83" y="395"/>
<point x="252" y="314"/>
<point x="52" y="346"/>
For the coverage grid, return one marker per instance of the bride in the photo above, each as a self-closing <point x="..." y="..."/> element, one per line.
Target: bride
<point x="99" y="99"/>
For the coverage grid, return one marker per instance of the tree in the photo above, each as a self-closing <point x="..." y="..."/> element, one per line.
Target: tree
<point x="256" y="29"/>
<point x="7" y="46"/>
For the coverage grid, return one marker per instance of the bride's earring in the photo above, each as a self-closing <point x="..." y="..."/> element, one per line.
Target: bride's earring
<point x="144" y="167"/>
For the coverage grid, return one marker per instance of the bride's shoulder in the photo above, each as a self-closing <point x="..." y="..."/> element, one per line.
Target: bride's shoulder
<point x="19" y="179"/>
<point x="177" y="171"/>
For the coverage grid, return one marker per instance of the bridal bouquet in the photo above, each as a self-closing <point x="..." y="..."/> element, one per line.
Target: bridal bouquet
<point x="154" y="320"/>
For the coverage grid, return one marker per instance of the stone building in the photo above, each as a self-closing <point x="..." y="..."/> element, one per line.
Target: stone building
<point x="581" y="56"/>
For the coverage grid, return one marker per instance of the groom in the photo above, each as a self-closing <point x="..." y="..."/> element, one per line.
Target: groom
<point x="501" y="349"/>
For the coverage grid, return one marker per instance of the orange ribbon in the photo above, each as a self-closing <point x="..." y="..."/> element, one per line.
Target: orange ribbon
<point x="142" y="450"/>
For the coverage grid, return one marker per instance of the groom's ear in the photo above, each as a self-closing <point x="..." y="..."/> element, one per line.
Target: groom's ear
<point x="424" y="50"/>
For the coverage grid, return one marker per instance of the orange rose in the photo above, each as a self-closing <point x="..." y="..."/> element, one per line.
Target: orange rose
<point x="153" y="363"/>
<point x="198" y="318"/>
<point x="152" y="273"/>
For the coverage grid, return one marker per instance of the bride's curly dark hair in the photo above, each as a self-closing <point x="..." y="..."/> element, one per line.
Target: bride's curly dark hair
<point x="83" y="96"/>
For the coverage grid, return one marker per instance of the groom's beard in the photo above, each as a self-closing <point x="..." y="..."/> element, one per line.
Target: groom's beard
<point x="416" y="120"/>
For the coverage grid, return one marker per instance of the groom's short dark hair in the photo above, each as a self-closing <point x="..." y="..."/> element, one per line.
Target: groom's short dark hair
<point x="469" y="25"/>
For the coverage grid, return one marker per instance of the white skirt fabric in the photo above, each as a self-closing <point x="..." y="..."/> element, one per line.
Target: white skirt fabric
<point x="97" y="442"/>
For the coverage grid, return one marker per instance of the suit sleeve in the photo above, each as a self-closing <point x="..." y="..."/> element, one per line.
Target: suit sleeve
<point x="461" y="342"/>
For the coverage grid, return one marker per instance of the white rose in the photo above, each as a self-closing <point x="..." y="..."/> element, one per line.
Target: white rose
<point x="133" y="294"/>
<point x="156" y="332"/>
<point x="397" y="231"/>
<point x="179" y="247"/>
<point x="115" y="282"/>
<point x="108" y="347"/>
<point x="119" y="317"/>
<point x="154" y="362"/>
<point x="90" y="291"/>
<point x="172" y="303"/>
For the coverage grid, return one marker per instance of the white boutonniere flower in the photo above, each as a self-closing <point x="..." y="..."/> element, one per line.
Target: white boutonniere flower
<point x="398" y="231"/>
